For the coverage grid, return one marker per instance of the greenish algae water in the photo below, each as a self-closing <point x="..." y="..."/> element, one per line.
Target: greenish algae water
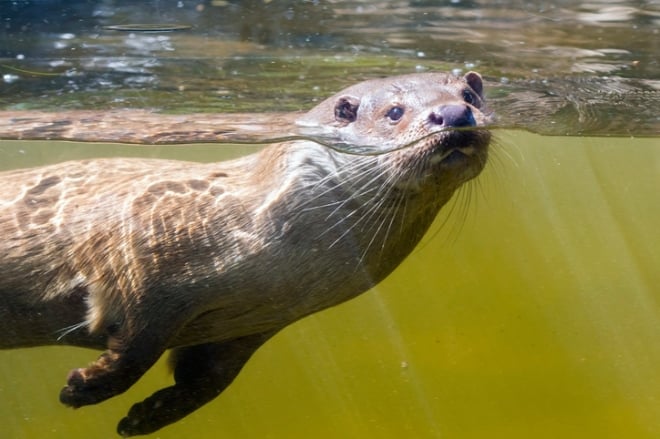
<point x="531" y="310"/>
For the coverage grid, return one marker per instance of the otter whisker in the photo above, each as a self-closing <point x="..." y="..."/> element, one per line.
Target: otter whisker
<point x="347" y="178"/>
<point x="69" y="329"/>
<point x="372" y="206"/>
<point x="381" y="220"/>
<point x="359" y="193"/>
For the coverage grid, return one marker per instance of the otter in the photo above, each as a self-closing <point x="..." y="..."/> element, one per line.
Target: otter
<point x="138" y="256"/>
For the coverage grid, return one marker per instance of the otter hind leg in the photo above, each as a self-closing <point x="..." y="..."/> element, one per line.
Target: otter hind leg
<point x="201" y="373"/>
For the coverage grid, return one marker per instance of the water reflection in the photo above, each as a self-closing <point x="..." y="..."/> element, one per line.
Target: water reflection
<point x="565" y="68"/>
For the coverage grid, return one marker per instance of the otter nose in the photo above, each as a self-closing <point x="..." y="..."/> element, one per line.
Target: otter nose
<point x="453" y="116"/>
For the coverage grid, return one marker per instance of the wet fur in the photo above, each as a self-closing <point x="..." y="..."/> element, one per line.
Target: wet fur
<point x="138" y="256"/>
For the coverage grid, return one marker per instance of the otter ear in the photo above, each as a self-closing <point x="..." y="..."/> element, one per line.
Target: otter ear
<point x="474" y="81"/>
<point x="346" y="109"/>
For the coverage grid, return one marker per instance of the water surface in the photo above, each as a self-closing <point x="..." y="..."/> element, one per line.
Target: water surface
<point x="564" y="68"/>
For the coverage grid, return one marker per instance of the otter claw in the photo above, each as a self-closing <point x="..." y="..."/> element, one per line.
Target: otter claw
<point x="70" y="394"/>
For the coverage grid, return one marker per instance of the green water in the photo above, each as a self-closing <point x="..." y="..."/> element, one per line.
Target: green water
<point x="531" y="310"/>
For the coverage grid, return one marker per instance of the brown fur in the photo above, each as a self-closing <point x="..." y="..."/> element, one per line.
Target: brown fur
<point x="137" y="256"/>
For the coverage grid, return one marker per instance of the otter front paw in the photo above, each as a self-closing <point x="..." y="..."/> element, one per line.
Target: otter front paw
<point x="103" y="379"/>
<point x="83" y="388"/>
<point x="76" y="393"/>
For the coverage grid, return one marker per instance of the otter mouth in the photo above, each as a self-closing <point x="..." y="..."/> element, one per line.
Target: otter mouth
<point x="454" y="147"/>
<point x="454" y="155"/>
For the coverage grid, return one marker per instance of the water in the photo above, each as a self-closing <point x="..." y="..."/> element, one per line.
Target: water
<point x="530" y="309"/>
<point x="566" y="68"/>
<point x="532" y="312"/>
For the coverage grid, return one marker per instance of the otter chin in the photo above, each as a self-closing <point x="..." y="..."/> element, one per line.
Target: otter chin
<point x="138" y="256"/>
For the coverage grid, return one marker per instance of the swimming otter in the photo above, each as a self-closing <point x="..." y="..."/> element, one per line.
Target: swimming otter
<point x="138" y="256"/>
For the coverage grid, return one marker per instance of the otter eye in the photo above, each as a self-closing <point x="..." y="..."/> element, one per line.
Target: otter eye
<point x="395" y="113"/>
<point x="469" y="97"/>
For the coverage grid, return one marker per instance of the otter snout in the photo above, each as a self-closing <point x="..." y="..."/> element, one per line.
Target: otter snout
<point x="453" y="116"/>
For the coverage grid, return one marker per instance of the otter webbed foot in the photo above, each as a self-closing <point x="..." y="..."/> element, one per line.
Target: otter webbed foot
<point x="201" y="373"/>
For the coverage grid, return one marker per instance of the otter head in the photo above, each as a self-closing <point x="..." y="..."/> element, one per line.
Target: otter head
<point x="421" y="126"/>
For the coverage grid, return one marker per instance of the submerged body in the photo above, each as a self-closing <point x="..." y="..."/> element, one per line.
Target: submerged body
<point x="138" y="256"/>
